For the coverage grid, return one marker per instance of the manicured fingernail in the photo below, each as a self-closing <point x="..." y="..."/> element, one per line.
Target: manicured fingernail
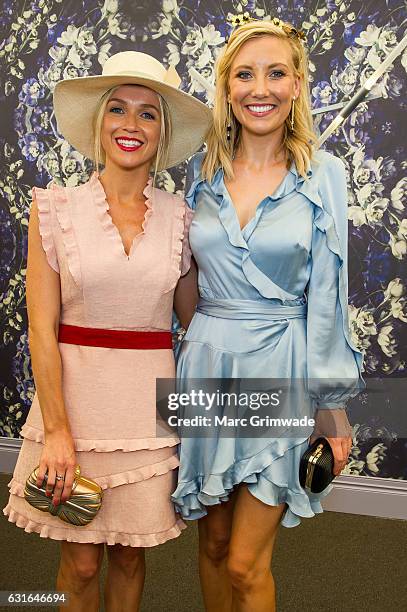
<point x="47" y="493"/>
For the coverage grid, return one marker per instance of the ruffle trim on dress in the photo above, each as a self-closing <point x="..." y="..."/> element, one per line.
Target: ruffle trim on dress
<point x="42" y="198"/>
<point x="227" y="216"/>
<point x="193" y="178"/>
<point x="105" y="446"/>
<point x="16" y="488"/>
<point x="186" y="248"/>
<point x="178" y="231"/>
<point x="297" y="508"/>
<point x="86" y="536"/>
<point x="148" y="194"/>
<point x="261" y="475"/>
<point x="63" y="213"/>
<point x="102" y="206"/>
<point x="111" y="481"/>
<point x="325" y="222"/>
<point x="143" y="473"/>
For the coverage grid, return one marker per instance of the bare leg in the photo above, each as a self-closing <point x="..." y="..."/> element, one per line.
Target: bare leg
<point x="78" y="575"/>
<point x="125" y="578"/>
<point x="214" y="536"/>
<point x="254" y="531"/>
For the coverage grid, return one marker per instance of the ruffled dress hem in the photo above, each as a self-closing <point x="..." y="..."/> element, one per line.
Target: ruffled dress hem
<point x="105" y="446"/>
<point x="111" y="481"/>
<point x="261" y="475"/>
<point x="92" y="537"/>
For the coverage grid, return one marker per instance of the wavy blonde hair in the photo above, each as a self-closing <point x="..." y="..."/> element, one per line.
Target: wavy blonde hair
<point x="297" y="144"/>
<point x="165" y="132"/>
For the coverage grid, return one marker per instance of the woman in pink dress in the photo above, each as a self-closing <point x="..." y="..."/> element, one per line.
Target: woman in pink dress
<point x="103" y="262"/>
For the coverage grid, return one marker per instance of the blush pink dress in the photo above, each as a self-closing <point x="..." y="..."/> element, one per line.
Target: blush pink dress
<point x="109" y="393"/>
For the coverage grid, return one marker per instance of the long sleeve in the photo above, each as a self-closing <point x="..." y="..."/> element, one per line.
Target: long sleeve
<point x="334" y="365"/>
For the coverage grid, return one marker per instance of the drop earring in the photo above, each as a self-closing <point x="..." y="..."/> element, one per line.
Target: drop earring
<point x="229" y="125"/>
<point x="292" y="115"/>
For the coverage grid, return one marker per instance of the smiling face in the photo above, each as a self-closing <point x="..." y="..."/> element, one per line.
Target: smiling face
<point x="131" y="127"/>
<point x="262" y="85"/>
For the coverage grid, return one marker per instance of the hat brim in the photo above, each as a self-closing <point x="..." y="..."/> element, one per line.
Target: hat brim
<point x="76" y="101"/>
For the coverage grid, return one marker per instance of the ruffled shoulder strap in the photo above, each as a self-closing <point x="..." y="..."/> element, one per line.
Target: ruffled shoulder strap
<point x="61" y="197"/>
<point x="318" y="189"/>
<point x="181" y="214"/>
<point x="177" y="238"/>
<point x="44" y="200"/>
<point x="193" y="178"/>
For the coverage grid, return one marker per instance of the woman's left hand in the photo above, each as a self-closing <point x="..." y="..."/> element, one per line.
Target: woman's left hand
<point x="329" y="422"/>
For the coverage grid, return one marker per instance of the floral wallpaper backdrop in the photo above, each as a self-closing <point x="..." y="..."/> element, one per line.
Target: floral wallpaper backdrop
<point x="46" y="40"/>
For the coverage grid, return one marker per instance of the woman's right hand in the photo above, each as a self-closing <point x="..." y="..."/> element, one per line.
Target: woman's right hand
<point x="58" y="458"/>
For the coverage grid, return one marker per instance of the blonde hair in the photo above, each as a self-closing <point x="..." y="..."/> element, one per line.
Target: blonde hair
<point x="298" y="144"/>
<point x="161" y="157"/>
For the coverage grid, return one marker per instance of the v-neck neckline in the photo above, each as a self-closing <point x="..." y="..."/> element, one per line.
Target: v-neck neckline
<point x="107" y="222"/>
<point x="260" y="205"/>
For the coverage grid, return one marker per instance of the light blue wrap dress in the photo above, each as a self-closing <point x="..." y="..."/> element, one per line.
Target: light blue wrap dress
<point x="273" y="303"/>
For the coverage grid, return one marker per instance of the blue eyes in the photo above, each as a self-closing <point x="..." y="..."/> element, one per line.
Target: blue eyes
<point x="148" y="115"/>
<point x="118" y="110"/>
<point x="245" y="76"/>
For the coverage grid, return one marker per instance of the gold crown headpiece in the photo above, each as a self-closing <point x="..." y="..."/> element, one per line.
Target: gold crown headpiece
<point x="242" y="18"/>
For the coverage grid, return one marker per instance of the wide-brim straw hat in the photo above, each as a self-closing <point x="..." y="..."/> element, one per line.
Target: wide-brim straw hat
<point x="76" y="101"/>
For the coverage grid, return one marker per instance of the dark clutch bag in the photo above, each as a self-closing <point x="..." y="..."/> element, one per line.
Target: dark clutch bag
<point x="316" y="466"/>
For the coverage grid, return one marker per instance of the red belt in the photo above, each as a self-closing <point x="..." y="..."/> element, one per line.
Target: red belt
<point x="114" y="338"/>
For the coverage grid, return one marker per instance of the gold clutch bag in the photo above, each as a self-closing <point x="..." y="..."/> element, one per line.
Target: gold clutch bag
<point x="81" y="507"/>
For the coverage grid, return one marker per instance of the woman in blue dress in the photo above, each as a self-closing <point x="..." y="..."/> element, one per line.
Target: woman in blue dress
<point x="269" y="237"/>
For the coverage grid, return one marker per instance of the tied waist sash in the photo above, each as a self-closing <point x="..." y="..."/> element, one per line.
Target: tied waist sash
<point x="250" y="309"/>
<point x="114" y="338"/>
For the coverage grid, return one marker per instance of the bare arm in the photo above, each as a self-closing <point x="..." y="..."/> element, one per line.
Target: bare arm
<point x="186" y="295"/>
<point x="43" y="304"/>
